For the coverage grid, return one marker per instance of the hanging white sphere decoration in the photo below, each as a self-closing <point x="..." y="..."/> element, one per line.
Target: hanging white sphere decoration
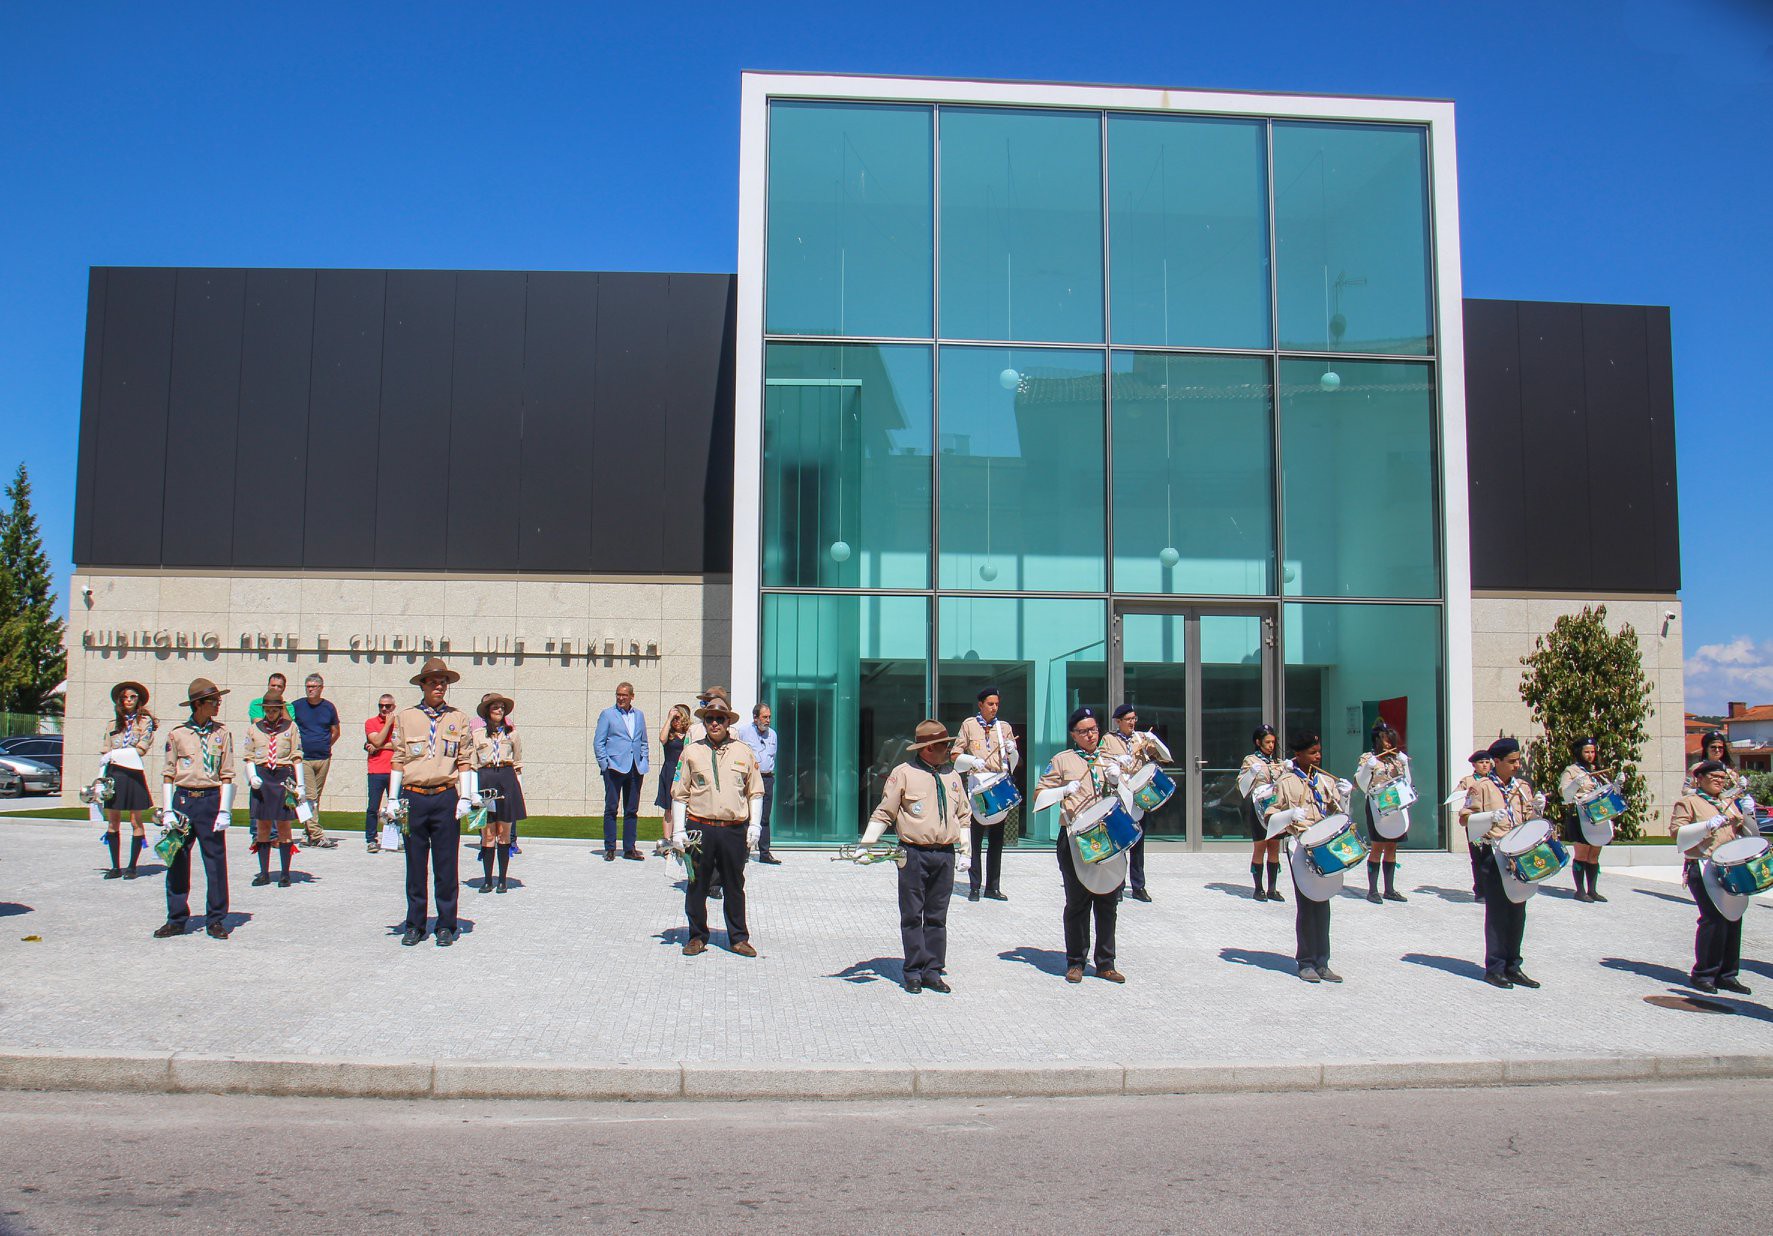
<point x="1289" y="574"/>
<point x="840" y="551"/>
<point x="988" y="572"/>
<point x="1331" y="380"/>
<point x="1169" y="556"/>
<point x="1009" y="379"/>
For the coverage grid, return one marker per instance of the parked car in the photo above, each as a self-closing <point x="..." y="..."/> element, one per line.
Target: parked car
<point x="38" y="777"/>
<point x="11" y="784"/>
<point x="44" y="748"/>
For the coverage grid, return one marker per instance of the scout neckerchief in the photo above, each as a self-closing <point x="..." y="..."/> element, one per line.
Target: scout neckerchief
<point x="1310" y="779"/>
<point x="271" y="736"/>
<point x="212" y="753"/>
<point x="1716" y="803"/>
<point x="941" y="792"/>
<point x="125" y="737"/>
<point x="436" y="715"/>
<point x="1507" y="799"/>
<point x="991" y="731"/>
<point x="1090" y="759"/>
<point x="497" y="737"/>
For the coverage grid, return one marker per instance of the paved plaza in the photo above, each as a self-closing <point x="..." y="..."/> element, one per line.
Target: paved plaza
<point x="581" y="963"/>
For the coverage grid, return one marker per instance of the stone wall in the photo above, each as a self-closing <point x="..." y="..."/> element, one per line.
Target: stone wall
<point x="366" y="635"/>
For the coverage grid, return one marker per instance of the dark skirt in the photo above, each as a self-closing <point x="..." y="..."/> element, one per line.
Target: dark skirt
<point x="1258" y="825"/>
<point x="508" y="807"/>
<point x="1373" y="837"/>
<point x="668" y="773"/>
<point x="129" y="790"/>
<point x="268" y="801"/>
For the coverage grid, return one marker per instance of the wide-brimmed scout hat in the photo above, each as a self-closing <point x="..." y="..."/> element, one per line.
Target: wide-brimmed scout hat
<point x="435" y="668"/>
<point x="141" y="693"/>
<point x="928" y="734"/>
<point x="203" y="689"/>
<point x="271" y="699"/>
<point x="491" y="698"/>
<point x="713" y="693"/>
<point x="717" y="709"/>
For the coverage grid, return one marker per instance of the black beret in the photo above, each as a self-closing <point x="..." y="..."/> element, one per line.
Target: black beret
<point x="1707" y="767"/>
<point x="986" y="693"/>
<point x="1475" y="756"/>
<point x="1260" y="732"/>
<point x="1302" y="740"/>
<point x="1123" y="710"/>
<point x="1502" y="747"/>
<point x="1081" y="714"/>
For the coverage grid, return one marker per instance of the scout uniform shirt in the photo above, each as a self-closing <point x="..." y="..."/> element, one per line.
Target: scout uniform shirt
<point x="280" y="748"/>
<point x="927" y="806"/>
<point x="1114" y="747"/>
<point x="428" y="748"/>
<point x="137" y="732"/>
<point x="1513" y="804"/>
<point x="498" y="750"/>
<point x="717" y="783"/>
<point x="1263" y="769"/>
<point x="988" y="746"/>
<point x="1577" y="781"/>
<point x="1701" y="807"/>
<point x="1385" y="768"/>
<point x="1073" y="764"/>
<point x="1315" y="798"/>
<point x="199" y="757"/>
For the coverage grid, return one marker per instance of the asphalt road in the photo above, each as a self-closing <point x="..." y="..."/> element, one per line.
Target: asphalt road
<point x="1682" y="1157"/>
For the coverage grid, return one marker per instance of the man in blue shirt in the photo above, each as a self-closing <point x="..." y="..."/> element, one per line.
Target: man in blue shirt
<point x="620" y="747"/>
<point x="758" y="735"/>
<point x="318" y="722"/>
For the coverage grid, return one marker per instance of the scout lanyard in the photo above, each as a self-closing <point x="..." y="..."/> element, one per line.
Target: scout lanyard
<point x="1310" y="779"/>
<point x="1507" y="799"/>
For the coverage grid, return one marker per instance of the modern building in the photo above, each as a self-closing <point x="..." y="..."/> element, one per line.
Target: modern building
<point x="1088" y="393"/>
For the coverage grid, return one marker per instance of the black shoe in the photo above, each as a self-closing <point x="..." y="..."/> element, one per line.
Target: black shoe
<point x="1519" y="978"/>
<point x="130" y="874"/>
<point x="1310" y="974"/>
<point x="1593" y="896"/>
<point x="914" y="986"/>
<point x="1583" y="895"/>
<point x="114" y="874"/>
<point x="1496" y="980"/>
<point x="413" y="936"/>
<point x="609" y="856"/>
<point x="217" y="931"/>
<point x="1274" y="894"/>
<point x="1706" y="985"/>
<point x="1328" y="975"/>
<point x="939" y="984"/>
<point x="1394" y="895"/>
<point x="1375" y="898"/>
<point x="167" y="931"/>
<point x="972" y="894"/>
<point x="991" y="894"/>
<point x="634" y="856"/>
<point x="773" y="861"/>
<point x="716" y="894"/>
<point x="446" y="936"/>
<point x="1734" y="985"/>
<point x="261" y="879"/>
<point x="486" y="884"/>
<point x="1139" y="894"/>
<point x="501" y="887"/>
<point x="1477" y="896"/>
<point x="1259" y="894"/>
<point x="283" y="881"/>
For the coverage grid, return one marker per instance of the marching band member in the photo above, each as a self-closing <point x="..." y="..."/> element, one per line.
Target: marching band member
<point x="718" y="791"/>
<point x="926" y="802"/>
<point x="273" y="763"/>
<point x="1499" y="803"/>
<point x="1133" y="748"/>
<point x="1717" y="944"/>
<point x="1385" y="763"/>
<point x="198" y="783"/>
<point x="986" y="746"/>
<point x="1304" y="795"/>
<point x="124" y="747"/>
<point x="1583" y="776"/>
<point x="1077" y="778"/>
<point x="498" y="765"/>
<point x="433" y="774"/>
<point x="1480" y="768"/>
<point x="1261" y="768"/>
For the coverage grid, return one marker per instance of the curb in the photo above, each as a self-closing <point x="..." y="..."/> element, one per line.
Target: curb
<point x="332" y="1077"/>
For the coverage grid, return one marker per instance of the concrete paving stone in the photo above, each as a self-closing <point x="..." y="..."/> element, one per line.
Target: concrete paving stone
<point x="1221" y="1078"/>
<point x="334" y="1077"/>
<point x="1734" y="1065"/>
<point x="985" y="1080"/>
<point x="476" y="1079"/>
<point x="1385" y="1074"/>
<point x="62" y="1069"/>
<point x="1580" y="1069"/>
<point x="798" y="1081"/>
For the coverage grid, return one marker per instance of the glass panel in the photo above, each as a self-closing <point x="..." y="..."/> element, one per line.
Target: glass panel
<point x="1021" y="460"/>
<point x="1044" y="657"/>
<point x="1357" y="445"/>
<point x="846" y="677"/>
<point x="1346" y="665"/>
<point x="851" y="248"/>
<point x="1351" y="237"/>
<point x="1193" y="474"/>
<point x="1154" y="680"/>
<point x="1021" y="225"/>
<point x="1188" y="231"/>
<point x="839" y="419"/>
<point x="1231" y="707"/>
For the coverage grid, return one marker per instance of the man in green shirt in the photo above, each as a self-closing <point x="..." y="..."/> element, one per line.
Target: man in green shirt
<point x="255" y="711"/>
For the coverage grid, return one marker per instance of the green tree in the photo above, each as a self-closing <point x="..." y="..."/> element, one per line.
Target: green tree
<point x="32" y="659"/>
<point x="1582" y="680"/>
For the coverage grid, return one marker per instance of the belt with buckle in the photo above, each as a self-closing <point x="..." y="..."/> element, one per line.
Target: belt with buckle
<point x="197" y="792"/>
<point x="426" y="790"/>
<point x="701" y="822"/>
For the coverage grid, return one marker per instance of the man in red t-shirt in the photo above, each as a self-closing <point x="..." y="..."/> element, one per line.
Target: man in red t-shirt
<point x="378" y="731"/>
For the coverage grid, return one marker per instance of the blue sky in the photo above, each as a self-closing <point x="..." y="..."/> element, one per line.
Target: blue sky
<point x="1608" y="152"/>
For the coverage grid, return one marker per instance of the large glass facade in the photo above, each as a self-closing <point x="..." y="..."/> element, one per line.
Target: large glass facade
<point x="1130" y="405"/>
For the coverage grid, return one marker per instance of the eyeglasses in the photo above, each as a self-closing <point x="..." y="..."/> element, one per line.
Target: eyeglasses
<point x="1085" y="729"/>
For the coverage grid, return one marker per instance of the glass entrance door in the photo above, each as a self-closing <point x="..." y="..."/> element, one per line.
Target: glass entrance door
<point x="1201" y="678"/>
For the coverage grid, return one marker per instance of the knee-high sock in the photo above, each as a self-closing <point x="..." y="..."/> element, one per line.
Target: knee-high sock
<point x="1256" y="875"/>
<point x="504" y="860"/>
<point x="1372" y="877"/>
<point x="1594" y="876"/>
<point x="265" y="858"/>
<point x="1273" y="876"/>
<point x="486" y="861"/>
<point x="112" y="841"/>
<point x="1390" y="877"/>
<point x="285" y="851"/>
<point x="135" y="850"/>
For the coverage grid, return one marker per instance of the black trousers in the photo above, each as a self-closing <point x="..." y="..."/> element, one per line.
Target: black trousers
<point x="769" y="800"/>
<point x="201" y="810"/>
<point x="1717" y="944"/>
<point x="1311" y="931"/>
<point x="1136" y="865"/>
<point x="722" y="857"/>
<point x="1505" y="922"/>
<point x="986" y="835"/>
<point x="926" y="882"/>
<point x="1080" y="905"/>
<point x="621" y="790"/>
<point x="1479" y="856"/>
<point x="378" y="790"/>
<point x="433" y="833"/>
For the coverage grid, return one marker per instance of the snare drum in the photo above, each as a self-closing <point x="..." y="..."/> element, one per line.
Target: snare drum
<point x="1393" y="797"/>
<point x="1531" y="853"/>
<point x="994" y="797"/>
<point x="1596" y="811"/>
<point x="1744" y="866"/>
<point x="1150" y="787"/>
<point x="1104" y="829"/>
<point x="1332" y="846"/>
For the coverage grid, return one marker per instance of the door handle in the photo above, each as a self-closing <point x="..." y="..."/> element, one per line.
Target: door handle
<point x="1201" y="762"/>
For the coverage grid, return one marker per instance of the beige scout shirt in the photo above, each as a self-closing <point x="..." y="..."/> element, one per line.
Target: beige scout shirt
<point x="1513" y="805"/>
<point x="717" y="783"/>
<point x="280" y="747"/>
<point x="428" y="752"/>
<point x="137" y="732"/>
<point x="496" y="750"/>
<point x="1697" y="807"/>
<point x="1266" y="768"/>
<point x="1070" y="765"/>
<point x="1386" y="768"/>
<point x="1577" y="781"/>
<point x="199" y="759"/>
<point x="910" y="803"/>
<point x="1293" y="789"/>
<point x="1114" y="746"/>
<point x="987" y="745"/>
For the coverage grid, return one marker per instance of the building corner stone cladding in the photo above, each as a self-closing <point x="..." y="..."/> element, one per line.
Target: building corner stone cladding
<point x="1503" y="629"/>
<point x="682" y="629"/>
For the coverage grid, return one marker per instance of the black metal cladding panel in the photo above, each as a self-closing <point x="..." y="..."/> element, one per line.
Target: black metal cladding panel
<point x="698" y="440"/>
<point x="628" y="420"/>
<point x="1554" y="417"/>
<point x="89" y="414"/>
<point x="344" y="415"/>
<point x="412" y="489"/>
<point x="559" y="372"/>
<point x="1659" y="382"/>
<point x="1496" y="480"/>
<point x="1623" y="520"/>
<point x="486" y="421"/>
<point x="271" y="456"/>
<point x="203" y="416"/>
<point x="129" y="476"/>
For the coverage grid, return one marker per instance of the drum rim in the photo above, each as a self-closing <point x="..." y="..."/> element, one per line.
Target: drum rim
<point x="1305" y="837"/>
<point x="1102" y="807"/>
<point x="1548" y="833"/>
<point x="1717" y="854"/>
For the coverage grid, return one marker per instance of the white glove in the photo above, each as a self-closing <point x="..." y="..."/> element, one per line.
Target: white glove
<point x="1347" y="787"/>
<point x="1053" y="794"/>
<point x="394" y="780"/>
<point x="676" y="822"/>
<point x="104" y="760"/>
<point x="1126" y="762"/>
<point x="1012" y="756"/>
<point x="252" y="777"/>
<point x="1111" y="772"/>
<point x="301" y="788"/>
<point x="463" y="807"/>
<point x="965" y="763"/>
<point x="1072" y="787"/>
<point x="876" y="829"/>
<point x="1364" y="774"/>
<point x="678" y="841"/>
<point x="224" y="817"/>
<point x="754" y="830"/>
<point x="166" y="792"/>
<point x="1477" y="824"/>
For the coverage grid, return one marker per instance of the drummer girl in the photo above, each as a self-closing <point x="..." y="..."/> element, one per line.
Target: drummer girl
<point x="124" y="746"/>
<point x="1582" y="777"/>
<point x="1305" y="795"/>
<point x="1262" y="768"/>
<point x="1134" y="748"/>
<point x="1480" y="768"/>
<point x="1385" y="763"/>
<point x="1713" y="820"/>
<point x="1716" y="748"/>
<point x="1079" y="777"/>
<point x="498" y="755"/>
<point x="273" y="765"/>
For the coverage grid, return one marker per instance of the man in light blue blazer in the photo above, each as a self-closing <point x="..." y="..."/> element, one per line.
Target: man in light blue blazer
<point x="620" y="746"/>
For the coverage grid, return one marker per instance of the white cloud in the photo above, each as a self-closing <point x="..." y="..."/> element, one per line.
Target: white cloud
<point x="1738" y="670"/>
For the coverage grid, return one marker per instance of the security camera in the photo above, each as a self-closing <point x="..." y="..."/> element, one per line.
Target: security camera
<point x="86" y="593"/>
<point x="1668" y="615"/>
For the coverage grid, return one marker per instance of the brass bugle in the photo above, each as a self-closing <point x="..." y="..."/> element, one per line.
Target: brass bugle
<point x="864" y="856"/>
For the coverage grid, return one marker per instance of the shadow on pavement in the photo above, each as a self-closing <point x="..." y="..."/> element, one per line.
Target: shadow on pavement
<point x="1762" y="968"/>
<point x="892" y="969"/>
<point x="10" y="908"/>
<point x="1654" y="971"/>
<point x="1458" y="895"/>
<point x="677" y="936"/>
<point x="1280" y="963"/>
<point x="233" y="920"/>
<point x="1243" y="892"/>
<point x="1650" y="892"/>
<point x="1046" y="960"/>
<point x="1460" y="966"/>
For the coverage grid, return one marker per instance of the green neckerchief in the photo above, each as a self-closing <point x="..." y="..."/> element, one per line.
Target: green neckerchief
<point x="941" y="793"/>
